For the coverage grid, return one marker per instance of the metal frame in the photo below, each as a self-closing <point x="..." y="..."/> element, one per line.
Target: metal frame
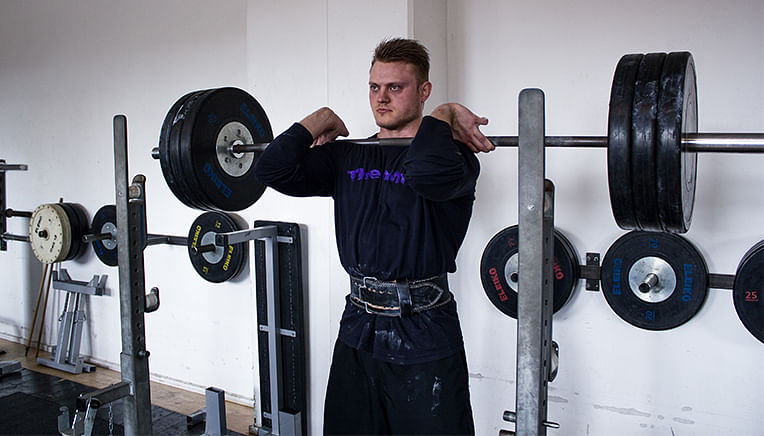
<point x="3" y="217"/>
<point x="535" y="366"/>
<point x="134" y="389"/>
<point x="131" y="217"/>
<point x="284" y="423"/>
<point x="66" y="354"/>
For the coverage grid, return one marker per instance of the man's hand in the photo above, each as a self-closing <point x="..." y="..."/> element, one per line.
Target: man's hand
<point x="324" y="125"/>
<point x="465" y="126"/>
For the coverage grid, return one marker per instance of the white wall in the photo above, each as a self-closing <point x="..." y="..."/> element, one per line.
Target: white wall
<point x="67" y="67"/>
<point x="702" y="378"/>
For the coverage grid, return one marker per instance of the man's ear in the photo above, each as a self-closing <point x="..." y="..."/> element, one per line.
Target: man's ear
<point x="425" y="90"/>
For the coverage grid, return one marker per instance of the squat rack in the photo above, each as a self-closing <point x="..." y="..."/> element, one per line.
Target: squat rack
<point x="134" y="389"/>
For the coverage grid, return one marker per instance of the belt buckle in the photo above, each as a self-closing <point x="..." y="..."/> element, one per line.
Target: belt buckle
<point x="365" y="287"/>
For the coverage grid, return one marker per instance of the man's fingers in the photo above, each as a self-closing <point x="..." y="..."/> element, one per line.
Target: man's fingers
<point x="330" y="136"/>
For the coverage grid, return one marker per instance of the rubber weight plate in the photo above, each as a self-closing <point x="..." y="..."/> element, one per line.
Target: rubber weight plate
<point x="105" y="221"/>
<point x="643" y="137"/>
<point x="187" y="179"/>
<point x="170" y="169"/>
<point x="79" y="227"/>
<point x="747" y="291"/>
<point x="676" y="168"/>
<point x="219" y="119"/>
<point x="182" y="153"/>
<point x="50" y="233"/>
<point x="619" y="140"/>
<point x="652" y="280"/>
<point x="499" y="266"/>
<point x="224" y="263"/>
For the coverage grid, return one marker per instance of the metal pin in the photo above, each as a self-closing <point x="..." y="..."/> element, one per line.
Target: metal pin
<point x="649" y="283"/>
<point x="206" y="248"/>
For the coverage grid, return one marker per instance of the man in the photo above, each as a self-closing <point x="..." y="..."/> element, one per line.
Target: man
<point x="401" y="214"/>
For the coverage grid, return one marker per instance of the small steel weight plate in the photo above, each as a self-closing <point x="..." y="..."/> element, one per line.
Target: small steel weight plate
<point x="619" y="140"/>
<point x="499" y="267"/>
<point x="675" y="168"/>
<point x="655" y="281"/>
<point x="105" y="221"/>
<point x="748" y="290"/>
<point x="643" y="137"/>
<point x="223" y="263"/>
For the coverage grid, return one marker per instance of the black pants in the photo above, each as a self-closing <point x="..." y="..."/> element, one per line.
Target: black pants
<point x="369" y="397"/>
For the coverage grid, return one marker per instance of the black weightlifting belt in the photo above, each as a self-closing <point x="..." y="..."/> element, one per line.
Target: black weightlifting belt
<point x="399" y="297"/>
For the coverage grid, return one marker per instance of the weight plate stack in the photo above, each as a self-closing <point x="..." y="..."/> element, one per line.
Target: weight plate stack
<point x="222" y="263"/>
<point x="499" y="269"/>
<point x="747" y="291"/>
<point x="643" y="137"/>
<point x="676" y="168"/>
<point x="195" y="148"/>
<point x="619" y="140"/>
<point x="181" y="153"/>
<point x="79" y="222"/>
<point x="56" y="231"/>
<point x="105" y="221"/>
<point x="167" y="154"/>
<point x="654" y="280"/>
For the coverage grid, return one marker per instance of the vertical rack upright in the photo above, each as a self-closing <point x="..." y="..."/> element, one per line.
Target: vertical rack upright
<point x="535" y="287"/>
<point x="131" y="217"/>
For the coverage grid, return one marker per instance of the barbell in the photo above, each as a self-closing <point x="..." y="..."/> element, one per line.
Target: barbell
<point x="210" y="140"/>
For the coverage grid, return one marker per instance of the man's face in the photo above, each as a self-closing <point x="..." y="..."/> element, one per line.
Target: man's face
<point x="395" y="97"/>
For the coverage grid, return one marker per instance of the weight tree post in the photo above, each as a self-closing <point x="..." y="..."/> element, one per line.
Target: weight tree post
<point x="131" y="216"/>
<point x="534" y="302"/>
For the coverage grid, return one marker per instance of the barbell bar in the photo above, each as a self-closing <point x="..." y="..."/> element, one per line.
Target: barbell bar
<point x="697" y="142"/>
<point x="211" y="138"/>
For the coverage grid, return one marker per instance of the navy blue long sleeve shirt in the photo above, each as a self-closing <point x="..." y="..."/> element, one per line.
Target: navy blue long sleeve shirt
<point x="400" y="212"/>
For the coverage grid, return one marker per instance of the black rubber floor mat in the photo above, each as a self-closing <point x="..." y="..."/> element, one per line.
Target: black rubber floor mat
<point x="30" y="403"/>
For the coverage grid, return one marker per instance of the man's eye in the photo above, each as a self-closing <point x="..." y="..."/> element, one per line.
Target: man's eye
<point x="395" y="87"/>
